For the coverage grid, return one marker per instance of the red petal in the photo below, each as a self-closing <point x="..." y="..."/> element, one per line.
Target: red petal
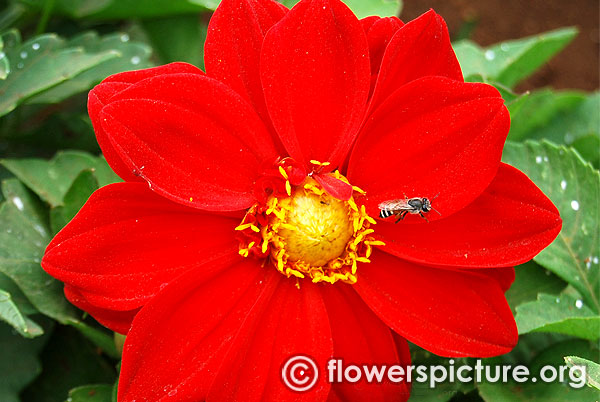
<point x="127" y="242"/>
<point x="361" y="338"/>
<point x="368" y="22"/>
<point x="135" y="76"/>
<point x="118" y="321"/>
<point x="96" y="99"/>
<point x="420" y="48"/>
<point x="404" y="354"/>
<point x="504" y="276"/>
<point x="379" y="33"/>
<point x="334" y="186"/>
<point x="233" y="43"/>
<point x="111" y="86"/>
<point x="507" y="225"/>
<point x="178" y="340"/>
<point x="315" y="74"/>
<point x="295" y="322"/>
<point x="449" y="313"/>
<point x="333" y="396"/>
<point x="192" y="138"/>
<point x="434" y="136"/>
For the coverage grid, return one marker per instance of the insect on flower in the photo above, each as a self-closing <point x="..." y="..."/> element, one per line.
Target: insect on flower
<point x="402" y="207"/>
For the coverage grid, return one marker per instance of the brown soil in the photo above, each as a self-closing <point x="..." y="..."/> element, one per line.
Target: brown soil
<point x="577" y="66"/>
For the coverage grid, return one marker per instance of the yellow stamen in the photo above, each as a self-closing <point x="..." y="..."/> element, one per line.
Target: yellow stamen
<point x="248" y="226"/>
<point x="283" y="172"/>
<point x="310" y="234"/>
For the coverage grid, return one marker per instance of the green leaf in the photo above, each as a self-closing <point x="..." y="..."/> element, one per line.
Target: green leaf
<point x="51" y="180"/>
<point x="531" y="279"/>
<point x="554" y="354"/>
<point x="19" y="363"/>
<point x="99" y="337"/>
<point x="592" y="370"/>
<point x="122" y="9"/>
<point x="565" y="314"/>
<point x="510" y="62"/>
<point x="510" y="97"/>
<point x="4" y="64"/>
<point x="10" y="14"/>
<point x="289" y="3"/>
<point x="365" y="8"/>
<point x="443" y="391"/>
<point x="91" y="393"/>
<point x="119" y="341"/>
<point x="573" y="389"/>
<point x="68" y="361"/>
<point x="16" y="310"/>
<point x="128" y="55"/>
<point x="23" y="239"/>
<point x="574" y="187"/>
<point x="178" y="38"/>
<point x="115" y="391"/>
<point x="512" y="100"/>
<point x="382" y="8"/>
<point x="80" y="8"/>
<point x="32" y="131"/>
<point x="41" y="63"/>
<point x="82" y="188"/>
<point x="10" y="313"/>
<point x="565" y="117"/>
<point x="530" y="345"/>
<point x="18" y="297"/>
<point x="538" y="111"/>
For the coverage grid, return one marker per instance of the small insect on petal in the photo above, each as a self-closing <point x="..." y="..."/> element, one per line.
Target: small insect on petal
<point x="403" y="207"/>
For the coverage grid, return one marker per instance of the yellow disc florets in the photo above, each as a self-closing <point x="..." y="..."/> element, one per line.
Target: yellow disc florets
<point x="308" y="233"/>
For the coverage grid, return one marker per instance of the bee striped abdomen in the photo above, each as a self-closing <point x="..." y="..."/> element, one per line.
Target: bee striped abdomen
<point x="385" y="213"/>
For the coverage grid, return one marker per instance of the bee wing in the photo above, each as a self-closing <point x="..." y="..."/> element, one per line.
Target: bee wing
<point x="394" y="205"/>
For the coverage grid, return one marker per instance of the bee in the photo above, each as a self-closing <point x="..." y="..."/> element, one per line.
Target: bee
<point x="403" y="207"/>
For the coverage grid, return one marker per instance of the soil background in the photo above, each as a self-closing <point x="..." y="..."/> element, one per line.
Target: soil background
<point x="492" y="21"/>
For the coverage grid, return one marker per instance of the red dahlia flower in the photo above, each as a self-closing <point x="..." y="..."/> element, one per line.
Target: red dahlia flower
<point x="247" y="229"/>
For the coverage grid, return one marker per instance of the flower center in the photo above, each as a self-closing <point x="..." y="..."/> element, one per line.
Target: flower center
<point x="305" y="232"/>
<point x="316" y="229"/>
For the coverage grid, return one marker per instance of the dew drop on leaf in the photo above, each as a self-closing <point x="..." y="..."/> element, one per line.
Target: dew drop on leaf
<point x="40" y="229"/>
<point x="575" y="205"/>
<point x="18" y="203"/>
<point x="569" y="138"/>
